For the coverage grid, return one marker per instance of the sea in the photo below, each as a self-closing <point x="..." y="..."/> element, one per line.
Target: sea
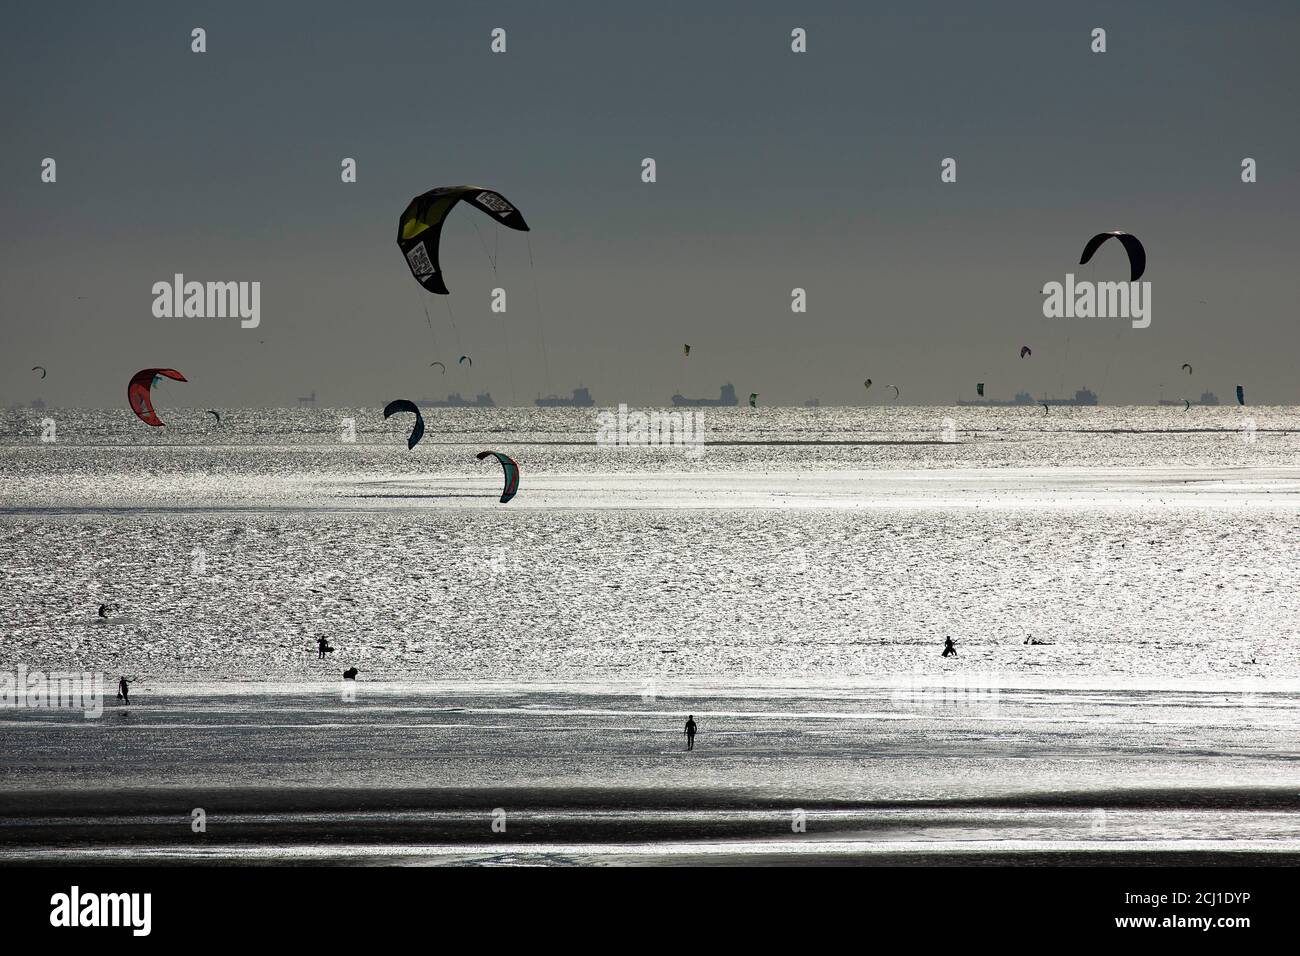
<point x="805" y="544"/>
<point x="1120" y="584"/>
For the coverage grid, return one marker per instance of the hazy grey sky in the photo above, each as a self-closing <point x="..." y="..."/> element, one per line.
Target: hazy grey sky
<point x="775" y="170"/>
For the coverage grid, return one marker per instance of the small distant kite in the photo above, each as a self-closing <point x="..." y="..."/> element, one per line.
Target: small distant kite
<point x="1025" y="350"/>
<point x="1241" y="395"/>
<point x="466" y="360"/>
<point x="686" y="350"/>
<point x="1137" y="255"/>
<point x="979" y="389"/>
<point x="216" y="414"/>
<point x="1186" y="404"/>
<point x="137" y="392"/>
<point x="895" y="388"/>
<point x="753" y="399"/>
<point x="39" y="368"/>
<point x="440" y="365"/>
<point x="1046" y="411"/>
<point x="867" y="384"/>
<point x="406" y="405"/>
<point x="1188" y="367"/>
<point x="511" y="473"/>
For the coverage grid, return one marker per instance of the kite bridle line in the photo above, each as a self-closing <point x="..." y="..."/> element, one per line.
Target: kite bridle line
<point x="537" y="307"/>
<point x="424" y="305"/>
<point x="1110" y="359"/>
<point x="505" y="336"/>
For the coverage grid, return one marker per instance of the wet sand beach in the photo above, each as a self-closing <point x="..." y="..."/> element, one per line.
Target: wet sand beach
<point x="851" y="775"/>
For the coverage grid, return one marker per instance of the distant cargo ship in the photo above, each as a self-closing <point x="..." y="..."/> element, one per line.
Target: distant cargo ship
<point x="454" y="400"/>
<point x="1083" y="396"/>
<point x="1022" y="398"/>
<point x="1207" y="398"/>
<point x="581" y="399"/>
<point x="727" y="396"/>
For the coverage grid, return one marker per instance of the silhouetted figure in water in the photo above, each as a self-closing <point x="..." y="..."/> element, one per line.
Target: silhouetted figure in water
<point x="323" y="647"/>
<point x="350" y="674"/>
<point x="949" y="648"/>
<point x="124" y="689"/>
<point x="690" y="732"/>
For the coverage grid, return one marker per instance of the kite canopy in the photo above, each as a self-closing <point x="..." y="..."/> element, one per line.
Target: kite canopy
<point x="406" y="405"/>
<point x="1137" y="255"/>
<point x="216" y="414"/>
<point x="1188" y="367"/>
<point x="686" y="350"/>
<point x="1241" y="395"/>
<point x="867" y="383"/>
<point x="137" y="392"/>
<point x="895" y="388"/>
<point x="440" y="365"/>
<point x="465" y="359"/>
<point x="1025" y="350"/>
<point x="753" y="399"/>
<point x="39" y="368"/>
<point x="979" y="389"/>
<point x="511" y="473"/>
<point x="419" y="230"/>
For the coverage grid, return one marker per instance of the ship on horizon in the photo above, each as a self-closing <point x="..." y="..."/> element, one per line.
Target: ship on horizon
<point x="1084" y="396"/>
<point x="581" y="399"/>
<point x="1022" y="398"/>
<point x="727" y="396"/>
<point x="455" y="400"/>
<point x="1207" y="398"/>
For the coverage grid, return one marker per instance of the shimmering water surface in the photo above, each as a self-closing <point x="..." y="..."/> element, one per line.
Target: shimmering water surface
<point x="802" y="544"/>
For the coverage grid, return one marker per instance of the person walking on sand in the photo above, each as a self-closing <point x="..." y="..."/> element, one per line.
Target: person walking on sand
<point x="690" y="732"/>
<point x="323" y="647"/>
<point x="949" y="648"/>
<point x="124" y="689"/>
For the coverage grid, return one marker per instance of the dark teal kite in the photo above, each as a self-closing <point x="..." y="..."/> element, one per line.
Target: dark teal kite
<point x="406" y="405"/>
<point x="512" y="473"/>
